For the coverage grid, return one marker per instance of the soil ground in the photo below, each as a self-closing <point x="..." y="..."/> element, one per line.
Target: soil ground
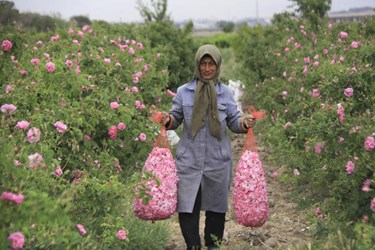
<point x="285" y="228"/>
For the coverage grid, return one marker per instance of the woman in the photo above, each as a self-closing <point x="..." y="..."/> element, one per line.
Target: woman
<point x="206" y="108"/>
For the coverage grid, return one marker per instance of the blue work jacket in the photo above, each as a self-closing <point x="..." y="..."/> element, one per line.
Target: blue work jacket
<point x="204" y="161"/>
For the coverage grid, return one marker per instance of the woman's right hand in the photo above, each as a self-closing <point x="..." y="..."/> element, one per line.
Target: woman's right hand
<point x="165" y="118"/>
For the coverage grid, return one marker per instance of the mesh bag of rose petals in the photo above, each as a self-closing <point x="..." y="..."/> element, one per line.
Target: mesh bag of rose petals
<point x="156" y="195"/>
<point x="250" y="200"/>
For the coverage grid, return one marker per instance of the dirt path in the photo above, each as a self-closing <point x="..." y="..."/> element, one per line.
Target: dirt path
<point x="285" y="227"/>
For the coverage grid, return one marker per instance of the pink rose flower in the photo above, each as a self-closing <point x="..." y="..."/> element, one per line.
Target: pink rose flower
<point x="131" y="51"/>
<point x="12" y="197"/>
<point x="35" y="160"/>
<point x="8" y="108"/>
<point x="369" y="143"/>
<point x="6" y="45"/>
<point x="23" y="72"/>
<point x="355" y="44"/>
<point x="33" y="135"/>
<point x="17" y="240"/>
<point x="343" y="34"/>
<point x="340" y="112"/>
<point x="315" y="93"/>
<point x="35" y="61"/>
<point x="86" y="137"/>
<point x="50" y="67"/>
<point x="121" y="234"/>
<point x="22" y="125"/>
<point x="81" y="229"/>
<point x="319" y="147"/>
<point x="134" y="90"/>
<point x="297" y="45"/>
<point x="55" y="38"/>
<point x="114" y="105"/>
<point x="139" y="46"/>
<point x="350" y="166"/>
<point x="318" y="212"/>
<point x="372" y="206"/>
<point x="8" y="89"/>
<point x="69" y="64"/>
<point x="366" y="185"/>
<point x="121" y="126"/>
<point x="142" y="137"/>
<point x="60" y="126"/>
<point x="296" y="172"/>
<point x="112" y="133"/>
<point x="58" y="171"/>
<point x="348" y="92"/>
<point x="138" y="103"/>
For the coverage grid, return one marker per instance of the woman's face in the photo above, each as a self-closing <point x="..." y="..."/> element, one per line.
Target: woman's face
<point x="207" y="68"/>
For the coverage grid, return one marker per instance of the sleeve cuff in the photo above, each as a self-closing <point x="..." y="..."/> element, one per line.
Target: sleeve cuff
<point x="242" y="125"/>
<point x="170" y="123"/>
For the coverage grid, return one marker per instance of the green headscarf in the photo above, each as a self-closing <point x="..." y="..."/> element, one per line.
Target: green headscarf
<point x="205" y="100"/>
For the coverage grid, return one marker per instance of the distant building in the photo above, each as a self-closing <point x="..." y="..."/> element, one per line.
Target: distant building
<point x="352" y="15"/>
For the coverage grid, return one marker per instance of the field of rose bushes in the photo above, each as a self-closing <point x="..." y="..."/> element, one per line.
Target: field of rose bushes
<point x="318" y="87"/>
<point x="75" y="133"/>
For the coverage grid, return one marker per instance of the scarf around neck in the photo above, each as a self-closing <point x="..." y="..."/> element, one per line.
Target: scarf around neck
<point x="205" y="99"/>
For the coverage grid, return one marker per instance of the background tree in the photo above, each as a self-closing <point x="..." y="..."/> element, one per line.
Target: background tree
<point x="80" y="21"/>
<point x="177" y="44"/>
<point x="157" y="12"/>
<point x="312" y="10"/>
<point x="226" y="27"/>
<point x="8" y="14"/>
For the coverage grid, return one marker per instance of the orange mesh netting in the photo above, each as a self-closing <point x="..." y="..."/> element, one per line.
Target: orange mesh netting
<point x="162" y="140"/>
<point x="250" y="143"/>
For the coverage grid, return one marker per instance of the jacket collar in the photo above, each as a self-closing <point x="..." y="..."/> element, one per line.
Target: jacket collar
<point x="193" y="84"/>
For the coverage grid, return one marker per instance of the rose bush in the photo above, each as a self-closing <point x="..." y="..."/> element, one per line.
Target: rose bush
<point x="74" y="129"/>
<point x="318" y="88"/>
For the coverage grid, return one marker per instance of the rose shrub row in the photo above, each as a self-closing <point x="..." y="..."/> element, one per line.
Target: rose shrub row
<point x="318" y="88"/>
<point x="74" y="130"/>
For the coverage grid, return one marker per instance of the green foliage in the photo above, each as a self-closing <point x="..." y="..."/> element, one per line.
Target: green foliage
<point x="221" y="40"/>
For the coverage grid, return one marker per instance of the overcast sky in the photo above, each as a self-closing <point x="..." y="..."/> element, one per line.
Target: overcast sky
<point x="179" y="10"/>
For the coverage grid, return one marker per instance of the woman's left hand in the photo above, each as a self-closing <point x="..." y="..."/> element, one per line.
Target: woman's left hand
<point x="248" y="121"/>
